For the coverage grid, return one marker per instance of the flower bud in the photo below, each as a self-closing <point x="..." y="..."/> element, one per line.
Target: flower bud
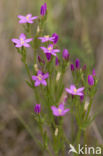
<point x="40" y="60"/>
<point x="38" y="29"/>
<point x="90" y="80"/>
<point x="77" y="63"/>
<point x="86" y="105"/>
<point x="82" y="98"/>
<point x="58" y="76"/>
<point x="43" y="9"/>
<point x="84" y="67"/>
<point x="56" y="37"/>
<point x="37" y="108"/>
<point x="72" y="67"/>
<point x="93" y="72"/>
<point x="57" y="61"/>
<point x="66" y="54"/>
<point x="48" y="56"/>
<point x="36" y="67"/>
<point x="56" y="131"/>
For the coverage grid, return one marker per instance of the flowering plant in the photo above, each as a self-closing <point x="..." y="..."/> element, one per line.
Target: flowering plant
<point x="54" y="100"/>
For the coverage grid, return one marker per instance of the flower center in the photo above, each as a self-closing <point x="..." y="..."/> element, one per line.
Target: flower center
<point x="27" y="17"/>
<point x="59" y="110"/>
<point x="47" y="36"/>
<point x="22" y="41"/>
<point x="50" y="48"/>
<point x="40" y="77"/>
<point x="75" y="90"/>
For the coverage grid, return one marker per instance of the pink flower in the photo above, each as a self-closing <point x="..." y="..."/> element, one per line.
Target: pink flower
<point x="22" y="41"/>
<point x="27" y="19"/>
<point x="60" y="111"/>
<point x="46" y="38"/>
<point x="74" y="91"/>
<point x="40" y="78"/>
<point x="50" y="50"/>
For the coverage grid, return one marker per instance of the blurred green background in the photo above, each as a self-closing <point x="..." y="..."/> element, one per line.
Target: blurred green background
<point x="79" y="24"/>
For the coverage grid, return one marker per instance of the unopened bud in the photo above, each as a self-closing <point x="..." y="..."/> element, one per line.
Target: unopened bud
<point x="56" y="131"/>
<point x="86" y="105"/>
<point x="38" y="29"/>
<point x="36" y="67"/>
<point x="58" y="76"/>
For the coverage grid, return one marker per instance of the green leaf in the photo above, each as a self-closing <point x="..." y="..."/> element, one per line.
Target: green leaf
<point x="29" y="84"/>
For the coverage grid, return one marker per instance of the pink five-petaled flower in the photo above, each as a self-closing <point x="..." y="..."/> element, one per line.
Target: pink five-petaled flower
<point x="40" y="78"/>
<point x="50" y="50"/>
<point x="60" y="111"/>
<point x="27" y="19"/>
<point x="22" y="41"/>
<point x="74" y="91"/>
<point x="46" y="38"/>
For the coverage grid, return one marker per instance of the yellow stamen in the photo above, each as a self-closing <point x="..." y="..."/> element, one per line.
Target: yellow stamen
<point x="27" y="17"/>
<point x="50" y="48"/>
<point x="59" y="110"/>
<point x="40" y="77"/>
<point x="75" y="90"/>
<point x="22" y="41"/>
<point x="46" y="36"/>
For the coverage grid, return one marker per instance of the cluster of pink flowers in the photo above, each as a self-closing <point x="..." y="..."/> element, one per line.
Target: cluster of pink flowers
<point x="51" y="50"/>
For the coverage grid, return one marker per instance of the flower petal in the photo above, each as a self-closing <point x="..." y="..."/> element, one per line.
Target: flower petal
<point x="34" y="77"/>
<point x="65" y="111"/>
<point x="69" y="91"/>
<point x="37" y="83"/>
<point x="80" y="94"/>
<point x="30" y="21"/>
<point x="39" y="72"/>
<point x="22" y="21"/>
<point x="80" y="89"/>
<point x="72" y="87"/>
<point x="22" y="36"/>
<point x="56" y="50"/>
<point x="18" y="45"/>
<point x="61" y="106"/>
<point x="29" y="40"/>
<point x="26" y="45"/>
<point x="20" y="16"/>
<point x="55" y="111"/>
<point x="43" y="48"/>
<point x="35" y="17"/>
<point x="29" y="15"/>
<point x="45" y="76"/>
<point x="44" y="82"/>
<point x="15" y="40"/>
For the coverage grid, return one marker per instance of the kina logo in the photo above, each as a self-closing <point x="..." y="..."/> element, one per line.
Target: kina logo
<point x="85" y="150"/>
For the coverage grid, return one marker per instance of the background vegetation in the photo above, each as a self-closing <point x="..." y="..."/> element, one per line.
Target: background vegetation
<point x="79" y="24"/>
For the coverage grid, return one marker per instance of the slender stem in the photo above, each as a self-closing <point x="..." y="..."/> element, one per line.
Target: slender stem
<point x="42" y="134"/>
<point x="27" y="127"/>
<point x="78" y="136"/>
<point x="28" y="72"/>
<point x="89" y="108"/>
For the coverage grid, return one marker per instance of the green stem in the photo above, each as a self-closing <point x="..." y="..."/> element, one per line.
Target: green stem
<point x="78" y="136"/>
<point x="42" y="134"/>
<point x="28" y="72"/>
<point x="89" y="108"/>
<point x="78" y="139"/>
